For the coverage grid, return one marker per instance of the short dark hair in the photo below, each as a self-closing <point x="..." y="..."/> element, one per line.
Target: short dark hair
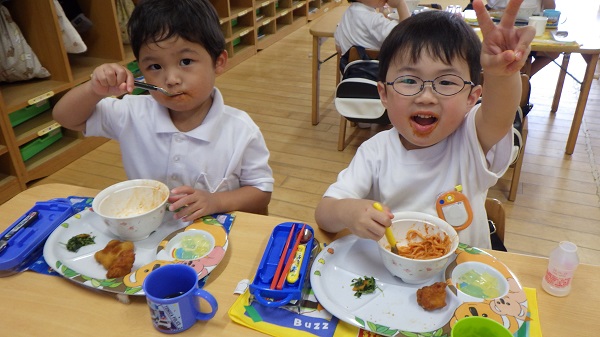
<point x="193" y="20"/>
<point x="442" y="35"/>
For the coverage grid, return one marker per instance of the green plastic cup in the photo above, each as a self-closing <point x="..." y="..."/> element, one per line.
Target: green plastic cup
<point x="476" y="326"/>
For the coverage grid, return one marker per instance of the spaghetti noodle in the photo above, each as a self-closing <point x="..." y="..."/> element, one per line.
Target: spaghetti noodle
<point x="425" y="247"/>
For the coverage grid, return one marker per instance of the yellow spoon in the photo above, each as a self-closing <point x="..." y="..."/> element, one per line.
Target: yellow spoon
<point x="388" y="231"/>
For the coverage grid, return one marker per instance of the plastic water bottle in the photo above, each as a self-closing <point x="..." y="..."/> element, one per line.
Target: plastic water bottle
<point x="561" y="267"/>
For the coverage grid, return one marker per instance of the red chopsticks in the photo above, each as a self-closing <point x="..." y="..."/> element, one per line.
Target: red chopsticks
<point x="282" y="258"/>
<point x="290" y="260"/>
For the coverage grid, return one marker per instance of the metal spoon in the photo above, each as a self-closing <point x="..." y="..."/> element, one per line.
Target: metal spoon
<point x="148" y="86"/>
<point x="306" y="236"/>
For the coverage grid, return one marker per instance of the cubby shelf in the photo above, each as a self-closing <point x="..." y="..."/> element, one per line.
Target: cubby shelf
<point x="317" y="8"/>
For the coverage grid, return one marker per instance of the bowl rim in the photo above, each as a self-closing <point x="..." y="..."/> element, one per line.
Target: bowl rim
<point x="179" y="236"/>
<point x="103" y="194"/>
<point x="430" y="220"/>
<point x="471" y="265"/>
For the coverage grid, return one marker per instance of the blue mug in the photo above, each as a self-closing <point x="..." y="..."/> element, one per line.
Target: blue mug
<point x="173" y="296"/>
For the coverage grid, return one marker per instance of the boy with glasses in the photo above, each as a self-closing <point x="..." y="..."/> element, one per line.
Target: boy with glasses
<point x="429" y="76"/>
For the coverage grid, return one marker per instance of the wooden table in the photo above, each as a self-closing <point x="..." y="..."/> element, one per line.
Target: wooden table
<point x="591" y="48"/>
<point x="42" y="305"/>
<point x="321" y="30"/>
<point x="325" y="27"/>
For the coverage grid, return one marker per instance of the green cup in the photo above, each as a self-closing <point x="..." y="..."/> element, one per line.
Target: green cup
<point x="477" y="326"/>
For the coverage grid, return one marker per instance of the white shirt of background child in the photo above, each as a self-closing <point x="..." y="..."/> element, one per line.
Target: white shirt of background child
<point x="363" y="26"/>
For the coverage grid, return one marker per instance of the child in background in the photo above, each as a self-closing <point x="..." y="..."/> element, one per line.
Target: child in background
<point x="429" y="82"/>
<point x="212" y="156"/>
<point x="362" y="25"/>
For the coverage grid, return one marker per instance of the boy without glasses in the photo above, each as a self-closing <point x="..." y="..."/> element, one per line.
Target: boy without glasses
<point x="212" y="156"/>
<point x="430" y="83"/>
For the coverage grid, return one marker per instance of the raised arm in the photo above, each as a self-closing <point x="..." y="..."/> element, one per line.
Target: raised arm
<point x="401" y="7"/>
<point x="77" y="105"/>
<point x="504" y="51"/>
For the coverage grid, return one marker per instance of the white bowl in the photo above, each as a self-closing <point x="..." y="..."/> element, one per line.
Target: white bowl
<point x="477" y="293"/>
<point x="132" y="209"/>
<point x="416" y="271"/>
<point x="190" y="245"/>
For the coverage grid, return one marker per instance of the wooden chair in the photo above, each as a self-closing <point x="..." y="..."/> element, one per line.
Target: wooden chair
<point x="352" y="56"/>
<point x="516" y="166"/>
<point x="495" y="213"/>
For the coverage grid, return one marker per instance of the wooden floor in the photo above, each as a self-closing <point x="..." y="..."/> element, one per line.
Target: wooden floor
<point x="558" y="196"/>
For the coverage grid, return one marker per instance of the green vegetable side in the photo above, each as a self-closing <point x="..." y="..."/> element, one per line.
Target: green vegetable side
<point x="364" y="285"/>
<point x="79" y="241"/>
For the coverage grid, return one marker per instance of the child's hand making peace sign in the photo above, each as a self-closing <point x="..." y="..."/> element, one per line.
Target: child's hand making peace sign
<point x="505" y="47"/>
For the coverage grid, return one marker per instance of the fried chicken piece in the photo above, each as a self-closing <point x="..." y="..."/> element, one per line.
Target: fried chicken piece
<point x="122" y="265"/>
<point x="110" y="254"/>
<point x="432" y="297"/>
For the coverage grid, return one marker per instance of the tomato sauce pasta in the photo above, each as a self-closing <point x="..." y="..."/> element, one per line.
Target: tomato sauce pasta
<point x="425" y="247"/>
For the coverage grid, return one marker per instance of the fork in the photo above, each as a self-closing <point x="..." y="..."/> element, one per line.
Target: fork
<point x="148" y="86"/>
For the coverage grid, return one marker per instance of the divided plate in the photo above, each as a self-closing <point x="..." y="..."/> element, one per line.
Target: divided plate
<point x="81" y="266"/>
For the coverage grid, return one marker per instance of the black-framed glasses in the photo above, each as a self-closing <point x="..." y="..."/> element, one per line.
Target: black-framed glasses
<point x="445" y="85"/>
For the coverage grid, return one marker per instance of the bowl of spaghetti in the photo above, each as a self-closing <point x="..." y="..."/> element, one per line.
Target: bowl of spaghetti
<point x="425" y="243"/>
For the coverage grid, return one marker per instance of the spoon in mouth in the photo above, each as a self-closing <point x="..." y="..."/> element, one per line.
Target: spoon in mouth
<point x="148" y="86"/>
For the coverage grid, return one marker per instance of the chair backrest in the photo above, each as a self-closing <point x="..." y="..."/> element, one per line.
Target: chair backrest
<point x="356" y="96"/>
<point x="355" y="54"/>
<point x="495" y="213"/>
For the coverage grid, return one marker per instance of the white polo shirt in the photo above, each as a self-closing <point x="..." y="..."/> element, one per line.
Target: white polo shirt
<point x="363" y="26"/>
<point x="403" y="180"/>
<point x="225" y="152"/>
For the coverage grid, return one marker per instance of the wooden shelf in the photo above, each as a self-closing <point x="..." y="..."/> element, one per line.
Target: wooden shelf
<point x="9" y="187"/>
<point x="38" y="22"/>
<point x="58" y="155"/>
<point x="316" y="8"/>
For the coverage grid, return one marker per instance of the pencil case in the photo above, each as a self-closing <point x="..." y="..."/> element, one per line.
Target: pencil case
<point x="260" y="287"/>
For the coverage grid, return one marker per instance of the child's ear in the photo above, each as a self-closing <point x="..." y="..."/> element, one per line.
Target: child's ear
<point x="381" y="88"/>
<point x="221" y="62"/>
<point x="474" y="96"/>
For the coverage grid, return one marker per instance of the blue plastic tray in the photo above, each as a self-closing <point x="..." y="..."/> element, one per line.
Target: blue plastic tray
<point x="260" y="287"/>
<point x="27" y="245"/>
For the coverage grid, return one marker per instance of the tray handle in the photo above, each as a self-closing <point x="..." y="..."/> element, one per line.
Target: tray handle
<point x="268" y="303"/>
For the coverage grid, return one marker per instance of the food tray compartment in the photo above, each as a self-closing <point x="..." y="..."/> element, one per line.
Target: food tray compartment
<point x="260" y="286"/>
<point x="27" y="244"/>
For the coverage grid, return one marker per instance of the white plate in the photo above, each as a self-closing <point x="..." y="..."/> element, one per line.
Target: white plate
<point x="81" y="266"/>
<point x="393" y="308"/>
